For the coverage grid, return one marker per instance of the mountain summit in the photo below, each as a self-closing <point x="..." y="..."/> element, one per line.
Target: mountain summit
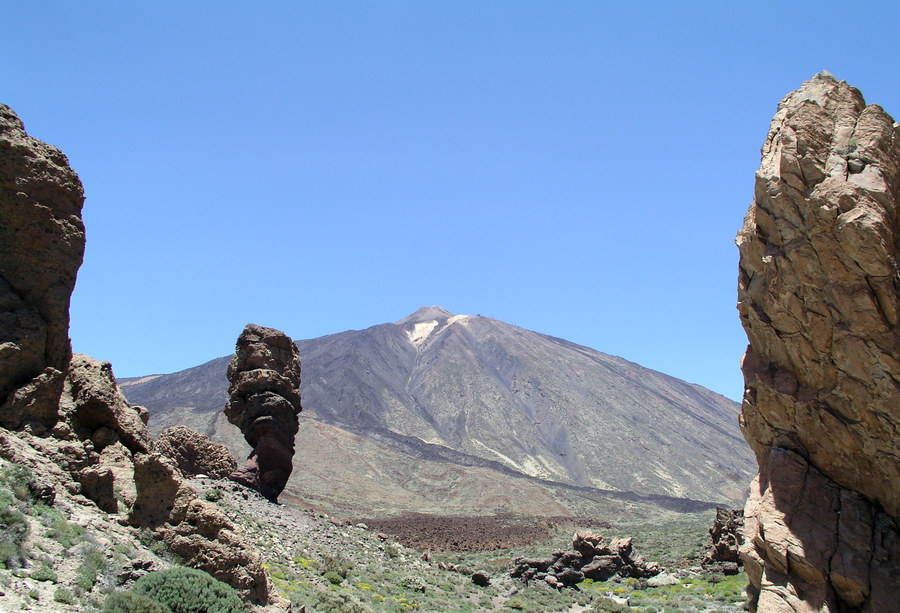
<point x="441" y="390"/>
<point x="425" y="314"/>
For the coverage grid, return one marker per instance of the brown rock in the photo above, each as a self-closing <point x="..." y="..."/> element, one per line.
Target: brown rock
<point x="589" y="544"/>
<point x="194" y="529"/>
<point x="207" y="540"/>
<point x="819" y="299"/>
<point x="264" y="403"/>
<point x="591" y="558"/>
<point x="96" y="410"/>
<point x="725" y="538"/>
<point x="41" y="249"/>
<point x="602" y="568"/>
<point x="195" y="454"/>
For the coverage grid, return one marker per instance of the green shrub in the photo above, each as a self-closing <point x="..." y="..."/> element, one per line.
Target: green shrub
<point x="337" y="565"/>
<point x="63" y="596"/>
<point x="13" y="532"/>
<point x="129" y="602"/>
<point x="187" y="590"/>
<point x="58" y="528"/>
<point x="93" y="563"/>
<point x="17" y="478"/>
<point x="43" y="573"/>
<point x="333" y="578"/>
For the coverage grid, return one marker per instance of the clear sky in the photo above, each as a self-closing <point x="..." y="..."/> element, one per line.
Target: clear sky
<point x="575" y="168"/>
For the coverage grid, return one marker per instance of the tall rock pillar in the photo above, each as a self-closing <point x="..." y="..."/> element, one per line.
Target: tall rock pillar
<point x="819" y="299"/>
<point x="41" y="249"/>
<point x="264" y="403"/>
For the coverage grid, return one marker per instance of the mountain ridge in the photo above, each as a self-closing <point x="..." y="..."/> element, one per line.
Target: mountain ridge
<point x="475" y="391"/>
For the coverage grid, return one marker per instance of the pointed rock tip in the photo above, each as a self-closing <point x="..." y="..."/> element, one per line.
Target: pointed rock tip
<point x="426" y="313"/>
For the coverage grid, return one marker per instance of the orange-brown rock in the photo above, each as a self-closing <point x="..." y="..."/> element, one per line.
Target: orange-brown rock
<point x="819" y="299"/>
<point x="195" y="454"/>
<point x="264" y="403"/>
<point x="41" y="249"/>
<point x="194" y="529"/>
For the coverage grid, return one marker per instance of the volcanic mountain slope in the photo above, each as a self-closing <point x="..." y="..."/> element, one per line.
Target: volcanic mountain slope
<point x="470" y="391"/>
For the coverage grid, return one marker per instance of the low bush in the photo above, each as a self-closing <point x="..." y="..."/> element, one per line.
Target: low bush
<point x="64" y="596"/>
<point x="333" y="578"/>
<point x="129" y="602"/>
<point x="187" y="590"/>
<point x="13" y="532"/>
<point x="43" y="573"/>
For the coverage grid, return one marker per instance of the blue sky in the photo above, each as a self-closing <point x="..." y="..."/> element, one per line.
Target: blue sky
<point x="575" y="168"/>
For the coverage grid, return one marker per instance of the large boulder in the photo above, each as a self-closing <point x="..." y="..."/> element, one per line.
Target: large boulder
<point x="819" y="299"/>
<point x="41" y="249"/>
<point x="195" y="454"/>
<point x="264" y="389"/>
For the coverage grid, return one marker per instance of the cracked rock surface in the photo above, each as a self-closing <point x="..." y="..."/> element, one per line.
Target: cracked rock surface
<point x="819" y="299"/>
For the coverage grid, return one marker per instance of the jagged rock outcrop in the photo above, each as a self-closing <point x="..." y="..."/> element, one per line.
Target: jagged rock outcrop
<point x="71" y="422"/>
<point x="41" y="249"/>
<point x="264" y="403"/>
<point x="195" y="454"/>
<point x="195" y="530"/>
<point x="726" y="536"/>
<point x="819" y="299"/>
<point x="592" y="558"/>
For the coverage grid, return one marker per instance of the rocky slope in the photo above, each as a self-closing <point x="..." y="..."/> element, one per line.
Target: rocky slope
<point x="469" y="391"/>
<point x="819" y="298"/>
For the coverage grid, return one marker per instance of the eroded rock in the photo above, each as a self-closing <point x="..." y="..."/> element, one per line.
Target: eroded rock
<point x="194" y="529"/>
<point x="592" y="558"/>
<point x="195" y="454"/>
<point x="819" y="299"/>
<point x="726" y="536"/>
<point x="41" y="249"/>
<point x="264" y="403"/>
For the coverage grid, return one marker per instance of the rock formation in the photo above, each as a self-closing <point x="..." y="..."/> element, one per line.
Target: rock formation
<point x="264" y="403"/>
<point x="71" y="422"/>
<point x="819" y="299"/>
<point x="591" y="559"/>
<point x="41" y="249"/>
<point x="195" y="454"/>
<point x="195" y="530"/>
<point x="722" y="552"/>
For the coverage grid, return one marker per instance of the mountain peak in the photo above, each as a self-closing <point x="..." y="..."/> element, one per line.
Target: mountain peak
<point x="426" y="313"/>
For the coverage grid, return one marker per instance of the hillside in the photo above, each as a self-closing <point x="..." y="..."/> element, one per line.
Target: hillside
<point x="467" y="413"/>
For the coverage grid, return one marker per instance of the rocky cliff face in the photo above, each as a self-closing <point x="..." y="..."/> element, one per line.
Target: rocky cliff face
<point x="819" y="299"/>
<point x="264" y="403"/>
<point x="41" y="248"/>
<point x="64" y="414"/>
